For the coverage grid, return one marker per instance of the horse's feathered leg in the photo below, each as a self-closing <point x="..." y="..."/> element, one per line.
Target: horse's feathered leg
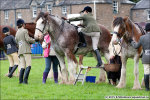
<point x="64" y="73"/>
<point x="122" y="82"/>
<point x="72" y="66"/>
<point x="136" y="72"/>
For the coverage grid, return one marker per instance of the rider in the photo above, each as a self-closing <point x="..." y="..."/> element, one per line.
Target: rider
<point x="91" y="29"/>
<point x="11" y="50"/>
<point x="145" y="43"/>
<point x="24" y="52"/>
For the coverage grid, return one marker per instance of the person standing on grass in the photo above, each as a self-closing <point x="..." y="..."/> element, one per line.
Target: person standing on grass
<point x="24" y="52"/>
<point x="11" y="50"/>
<point x="50" y="57"/>
<point x="145" y="43"/>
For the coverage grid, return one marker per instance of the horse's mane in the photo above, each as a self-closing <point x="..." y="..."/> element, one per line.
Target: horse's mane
<point x="142" y="30"/>
<point x="118" y="21"/>
<point x="47" y="17"/>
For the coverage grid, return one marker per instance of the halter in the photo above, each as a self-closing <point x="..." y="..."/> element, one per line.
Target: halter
<point x="120" y="42"/>
<point x="42" y="31"/>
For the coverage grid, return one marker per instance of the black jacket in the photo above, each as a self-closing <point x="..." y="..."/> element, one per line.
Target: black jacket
<point x="10" y="44"/>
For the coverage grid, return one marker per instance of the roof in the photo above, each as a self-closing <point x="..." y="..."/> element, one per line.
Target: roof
<point x="73" y="2"/>
<point x="17" y="4"/>
<point x="142" y="4"/>
<point x="127" y="2"/>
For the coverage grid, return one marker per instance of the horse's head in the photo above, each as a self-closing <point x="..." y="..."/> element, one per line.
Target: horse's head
<point x="31" y="28"/>
<point x="41" y="26"/>
<point x="119" y="29"/>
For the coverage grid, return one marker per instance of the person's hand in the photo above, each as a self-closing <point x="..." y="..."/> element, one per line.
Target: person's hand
<point x="36" y="40"/>
<point x="130" y="40"/>
<point x="64" y="18"/>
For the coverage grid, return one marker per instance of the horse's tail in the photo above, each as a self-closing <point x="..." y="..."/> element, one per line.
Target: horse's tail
<point x="142" y="30"/>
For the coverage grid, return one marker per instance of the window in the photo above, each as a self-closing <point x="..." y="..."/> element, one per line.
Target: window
<point x="49" y="8"/>
<point x="19" y="15"/>
<point x="6" y="14"/>
<point x="34" y="11"/>
<point x="115" y="7"/>
<point x="148" y="15"/>
<point x="64" y="10"/>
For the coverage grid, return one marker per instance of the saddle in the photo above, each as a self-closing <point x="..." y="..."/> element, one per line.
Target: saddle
<point x="82" y="42"/>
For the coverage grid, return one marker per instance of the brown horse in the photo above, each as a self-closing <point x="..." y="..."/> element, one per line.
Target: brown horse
<point x="29" y="26"/>
<point x="65" y="40"/>
<point x="124" y="29"/>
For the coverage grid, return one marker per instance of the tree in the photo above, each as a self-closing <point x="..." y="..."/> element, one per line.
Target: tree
<point x="135" y="1"/>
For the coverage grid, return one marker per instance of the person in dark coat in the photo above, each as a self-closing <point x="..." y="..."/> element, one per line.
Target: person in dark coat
<point x="11" y="50"/>
<point x="145" y="43"/>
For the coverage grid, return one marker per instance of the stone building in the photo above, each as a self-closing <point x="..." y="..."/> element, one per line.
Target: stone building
<point x="141" y="12"/>
<point x="103" y="10"/>
<point x="11" y="10"/>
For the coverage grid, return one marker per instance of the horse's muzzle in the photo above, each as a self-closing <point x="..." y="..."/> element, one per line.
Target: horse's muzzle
<point x="115" y="42"/>
<point x="38" y="37"/>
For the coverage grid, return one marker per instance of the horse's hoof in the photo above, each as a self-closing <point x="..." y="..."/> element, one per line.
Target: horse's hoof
<point x="136" y="88"/>
<point x="69" y="83"/>
<point x="100" y="81"/>
<point x="61" y="82"/>
<point x="97" y="82"/>
<point x="119" y="86"/>
<point x="6" y="74"/>
<point x="16" y="75"/>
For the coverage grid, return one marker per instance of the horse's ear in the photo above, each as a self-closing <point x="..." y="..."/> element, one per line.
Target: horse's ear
<point x="126" y="18"/>
<point x="115" y="17"/>
<point x="46" y="15"/>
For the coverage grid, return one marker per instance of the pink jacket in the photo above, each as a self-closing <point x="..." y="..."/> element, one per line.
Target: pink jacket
<point x="46" y="45"/>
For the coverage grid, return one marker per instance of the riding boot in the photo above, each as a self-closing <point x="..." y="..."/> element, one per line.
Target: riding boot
<point x="26" y="75"/>
<point x="146" y="80"/>
<point x="98" y="58"/>
<point x="45" y="74"/>
<point x="12" y="71"/>
<point x="21" y="75"/>
<point x="10" y="68"/>
<point x="56" y="77"/>
<point x="81" y="40"/>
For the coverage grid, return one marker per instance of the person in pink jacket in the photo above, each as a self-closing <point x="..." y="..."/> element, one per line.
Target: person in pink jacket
<point x="50" y="57"/>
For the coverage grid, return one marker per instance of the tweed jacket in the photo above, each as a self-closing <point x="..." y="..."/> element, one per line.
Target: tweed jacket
<point x="145" y="43"/>
<point x="10" y="44"/>
<point x="89" y="23"/>
<point x="24" y="41"/>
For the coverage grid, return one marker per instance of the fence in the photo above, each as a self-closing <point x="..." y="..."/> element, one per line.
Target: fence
<point x="36" y="48"/>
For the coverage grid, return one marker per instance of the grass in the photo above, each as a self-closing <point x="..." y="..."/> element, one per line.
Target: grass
<point x="11" y="89"/>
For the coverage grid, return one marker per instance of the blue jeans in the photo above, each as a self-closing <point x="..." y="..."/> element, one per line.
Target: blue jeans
<point x="48" y="61"/>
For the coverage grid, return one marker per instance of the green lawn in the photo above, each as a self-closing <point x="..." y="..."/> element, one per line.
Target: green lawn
<point x="11" y="89"/>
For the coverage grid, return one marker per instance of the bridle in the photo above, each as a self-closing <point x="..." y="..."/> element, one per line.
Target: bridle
<point x="42" y="31"/>
<point x="120" y="38"/>
<point x="61" y="29"/>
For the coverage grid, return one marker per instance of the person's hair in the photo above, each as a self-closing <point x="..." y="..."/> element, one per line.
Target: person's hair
<point x="21" y="25"/>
